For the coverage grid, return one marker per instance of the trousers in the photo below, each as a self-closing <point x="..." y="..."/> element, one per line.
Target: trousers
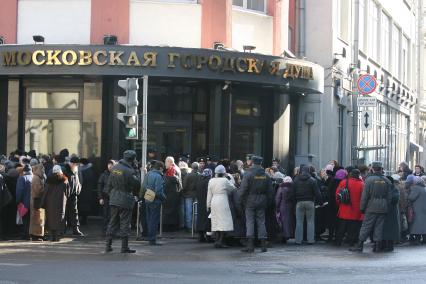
<point x="186" y="212"/>
<point x="255" y="217"/>
<point x="373" y="222"/>
<point x="71" y="212"/>
<point x="153" y="210"/>
<point x="305" y="209"/>
<point x="119" y="222"/>
<point x="350" y="228"/>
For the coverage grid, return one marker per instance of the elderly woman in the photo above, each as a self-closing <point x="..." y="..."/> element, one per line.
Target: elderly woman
<point x="37" y="214"/>
<point x="173" y="181"/>
<point x="284" y="207"/>
<point x="417" y="198"/>
<point x="217" y="200"/>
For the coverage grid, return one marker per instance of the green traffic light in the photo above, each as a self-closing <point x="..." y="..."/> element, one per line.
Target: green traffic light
<point x="132" y="133"/>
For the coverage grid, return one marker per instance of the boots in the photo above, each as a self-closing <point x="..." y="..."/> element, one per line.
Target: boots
<point x="125" y="246"/>
<point x="76" y="232"/>
<point x="108" y="246"/>
<point x="389" y="246"/>
<point x="250" y="246"/>
<point x="358" y="248"/>
<point x="378" y="246"/>
<point x="263" y="245"/>
<point x="219" y="240"/>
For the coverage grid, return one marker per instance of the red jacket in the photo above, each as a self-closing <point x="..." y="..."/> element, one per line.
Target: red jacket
<point x="352" y="210"/>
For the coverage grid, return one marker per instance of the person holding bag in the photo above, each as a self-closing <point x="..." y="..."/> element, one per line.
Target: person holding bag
<point x="153" y="188"/>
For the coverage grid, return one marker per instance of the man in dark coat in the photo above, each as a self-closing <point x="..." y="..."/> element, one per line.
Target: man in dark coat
<point x="188" y="193"/>
<point x="122" y="187"/>
<point x="203" y="222"/>
<point x="391" y="227"/>
<point x="375" y="200"/>
<point x="103" y="196"/>
<point x="256" y="195"/>
<point x="71" y="214"/>
<point x="88" y="186"/>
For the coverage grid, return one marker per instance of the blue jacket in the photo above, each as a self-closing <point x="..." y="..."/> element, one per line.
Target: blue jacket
<point x="154" y="180"/>
<point x="23" y="190"/>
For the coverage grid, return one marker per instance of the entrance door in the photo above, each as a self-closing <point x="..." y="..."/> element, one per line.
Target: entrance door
<point x="170" y="138"/>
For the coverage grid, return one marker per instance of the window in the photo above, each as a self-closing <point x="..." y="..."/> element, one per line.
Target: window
<point x="385" y="43"/>
<point x="256" y="5"/>
<point x="343" y="19"/>
<point x="54" y="100"/>
<point x="373" y="29"/>
<point x="404" y="58"/>
<point x="395" y="51"/>
<point x="361" y="31"/>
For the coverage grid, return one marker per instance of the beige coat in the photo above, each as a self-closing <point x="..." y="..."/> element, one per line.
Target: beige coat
<point x="217" y="200"/>
<point x="37" y="217"/>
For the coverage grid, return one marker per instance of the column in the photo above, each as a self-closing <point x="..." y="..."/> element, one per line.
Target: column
<point x="216" y="22"/>
<point x="9" y="20"/>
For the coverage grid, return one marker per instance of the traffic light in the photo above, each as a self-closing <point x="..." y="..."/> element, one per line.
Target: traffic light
<point x="130" y="102"/>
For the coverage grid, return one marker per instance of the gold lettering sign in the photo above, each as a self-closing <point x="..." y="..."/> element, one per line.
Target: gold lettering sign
<point x="215" y="63"/>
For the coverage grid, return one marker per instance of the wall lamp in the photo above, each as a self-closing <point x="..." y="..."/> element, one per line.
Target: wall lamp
<point x="38" y="39"/>
<point x="110" y="39"/>
<point x="249" y="48"/>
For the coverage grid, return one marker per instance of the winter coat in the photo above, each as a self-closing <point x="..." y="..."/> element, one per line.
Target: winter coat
<point x="154" y="181"/>
<point x="172" y="202"/>
<point x="376" y="195"/>
<point x="8" y="213"/>
<point x="203" y="222"/>
<point x="352" y="210"/>
<point x="57" y="190"/>
<point x="23" y="189"/>
<point x="417" y="197"/>
<point x="284" y="207"/>
<point x="123" y="184"/>
<point x="256" y="189"/>
<point x="238" y="215"/>
<point x="88" y="186"/>
<point x="37" y="217"/>
<point x="74" y="179"/>
<point x="102" y="182"/>
<point x="190" y="181"/>
<point x="403" y="197"/>
<point x="305" y="188"/>
<point x="217" y="200"/>
<point x="392" y="227"/>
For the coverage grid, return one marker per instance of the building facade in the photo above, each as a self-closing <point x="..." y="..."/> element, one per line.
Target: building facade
<point x="380" y="38"/>
<point x="221" y="78"/>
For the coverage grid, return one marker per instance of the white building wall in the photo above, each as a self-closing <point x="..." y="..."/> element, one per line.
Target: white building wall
<point x="59" y="21"/>
<point x="165" y="24"/>
<point x="251" y="28"/>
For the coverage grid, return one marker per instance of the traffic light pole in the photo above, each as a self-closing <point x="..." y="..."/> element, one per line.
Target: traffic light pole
<point x="144" y="125"/>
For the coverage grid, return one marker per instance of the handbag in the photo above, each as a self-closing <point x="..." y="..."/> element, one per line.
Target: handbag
<point x="149" y="195"/>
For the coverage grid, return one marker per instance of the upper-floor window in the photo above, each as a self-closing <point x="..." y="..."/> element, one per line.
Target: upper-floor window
<point x="385" y="43"/>
<point x="344" y="19"/>
<point x="255" y="5"/>
<point x="373" y="29"/>
<point x="405" y="60"/>
<point x="396" y="48"/>
<point x="361" y="27"/>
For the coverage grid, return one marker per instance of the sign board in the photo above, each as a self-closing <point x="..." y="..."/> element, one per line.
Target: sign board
<point x="367" y="120"/>
<point x="366" y="84"/>
<point x="366" y="102"/>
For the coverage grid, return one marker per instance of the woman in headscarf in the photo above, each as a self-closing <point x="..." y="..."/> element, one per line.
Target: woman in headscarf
<point x="417" y="197"/>
<point x="37" y="217"/>
<point x="217" y="200"/>
<point x="284" y="209"/>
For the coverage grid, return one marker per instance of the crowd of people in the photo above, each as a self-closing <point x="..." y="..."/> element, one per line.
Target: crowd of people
<point x="235" y="202"/>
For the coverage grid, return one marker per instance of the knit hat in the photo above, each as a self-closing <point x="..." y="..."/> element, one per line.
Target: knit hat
<point x="287" y="179"/>
<point x="329" y="167"/>
<point x="410" y="179"/>
<point x="34" y="162"/>
<point x="341" y="174"/>
<point x="57" y="169"/>
<point x="220" y="170"/>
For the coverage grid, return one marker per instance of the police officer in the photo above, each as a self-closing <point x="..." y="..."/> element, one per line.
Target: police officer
<point x="256" y="196"/>
<point x="122" y="186"/>
<point x="375" y="200"/>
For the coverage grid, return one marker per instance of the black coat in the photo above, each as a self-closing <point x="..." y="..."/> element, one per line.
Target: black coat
<point x="238" y="215"/>
<point x="391" y="227"/>
<point x="190" y="181"/>
<point x="88" y="188"/>
<point x="203" y="222"/>
<point x="57" y="190"/>
<point x="172" y="203"/>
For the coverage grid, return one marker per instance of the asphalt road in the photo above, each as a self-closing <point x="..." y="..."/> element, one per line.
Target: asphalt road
<point x="186" y="261"/>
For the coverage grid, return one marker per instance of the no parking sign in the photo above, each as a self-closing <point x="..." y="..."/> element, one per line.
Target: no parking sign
<point x="366" y="84"/>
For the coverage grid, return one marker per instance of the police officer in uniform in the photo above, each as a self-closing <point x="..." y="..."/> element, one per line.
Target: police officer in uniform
<point x="256" y="195"/>
<point x="123" y="184"/>
<point x="375" y="201"/>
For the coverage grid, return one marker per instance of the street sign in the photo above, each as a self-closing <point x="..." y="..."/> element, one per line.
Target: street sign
<point x="367" y="120"/>
<point x="366" y="102"/>
<point x="366" y="84"/>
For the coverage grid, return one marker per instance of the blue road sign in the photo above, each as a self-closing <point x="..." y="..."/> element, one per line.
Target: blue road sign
<point x="366" y="84"/>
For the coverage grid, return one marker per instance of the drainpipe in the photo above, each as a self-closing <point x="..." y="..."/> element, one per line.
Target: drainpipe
<point x="354" y="143"/>
<point x="302" y="27"/>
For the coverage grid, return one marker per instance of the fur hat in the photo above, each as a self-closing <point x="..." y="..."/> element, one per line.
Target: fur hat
<point x="220" y="170"/>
